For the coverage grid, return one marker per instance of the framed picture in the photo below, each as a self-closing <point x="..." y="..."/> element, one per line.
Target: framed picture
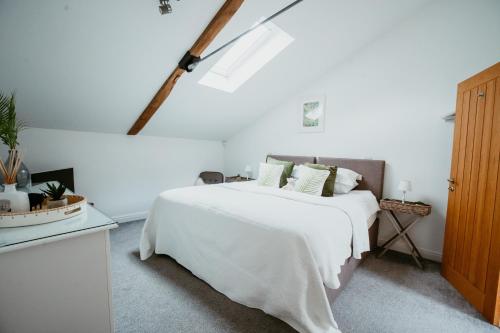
<point x="312" y="114"/>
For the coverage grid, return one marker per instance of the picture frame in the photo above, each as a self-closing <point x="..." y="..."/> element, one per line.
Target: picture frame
<point x="311" y="114"/>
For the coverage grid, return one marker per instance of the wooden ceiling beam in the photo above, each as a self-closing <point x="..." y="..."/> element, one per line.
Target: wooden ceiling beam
<point x="225" y="13"/>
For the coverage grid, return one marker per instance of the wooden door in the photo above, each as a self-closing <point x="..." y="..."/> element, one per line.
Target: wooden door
<point x="471" y="253"/>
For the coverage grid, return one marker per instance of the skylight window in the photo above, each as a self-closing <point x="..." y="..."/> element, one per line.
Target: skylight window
<point x="246" y="57"/>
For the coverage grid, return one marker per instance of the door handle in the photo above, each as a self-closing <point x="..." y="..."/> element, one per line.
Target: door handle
<point x="451" y="184"/>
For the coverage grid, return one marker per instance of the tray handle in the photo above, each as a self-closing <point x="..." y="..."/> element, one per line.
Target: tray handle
<point x="77" y="209"/>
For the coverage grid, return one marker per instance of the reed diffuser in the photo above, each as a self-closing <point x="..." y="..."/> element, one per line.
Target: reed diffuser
<point x="9" y="171"/>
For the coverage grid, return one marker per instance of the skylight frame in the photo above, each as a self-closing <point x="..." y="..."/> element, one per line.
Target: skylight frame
<point x="246" y="57"/>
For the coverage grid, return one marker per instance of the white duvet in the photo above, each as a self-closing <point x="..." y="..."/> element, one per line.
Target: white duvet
<point x="263" y="247"/>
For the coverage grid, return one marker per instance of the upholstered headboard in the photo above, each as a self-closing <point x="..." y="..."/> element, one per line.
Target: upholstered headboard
<point x="372" y="171"/>
<point x="295" y="159"/>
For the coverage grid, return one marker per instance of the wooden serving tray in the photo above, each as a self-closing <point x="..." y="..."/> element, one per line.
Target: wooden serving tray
<point x="77" y="205"/>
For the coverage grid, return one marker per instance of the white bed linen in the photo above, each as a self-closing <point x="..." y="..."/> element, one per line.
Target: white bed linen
<point x="263" y="247"/>
<point x="371" y="220"/>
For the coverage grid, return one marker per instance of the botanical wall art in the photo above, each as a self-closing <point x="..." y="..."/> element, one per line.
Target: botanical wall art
<point x="312" y="114"/>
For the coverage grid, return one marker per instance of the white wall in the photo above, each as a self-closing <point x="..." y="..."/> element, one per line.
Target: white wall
<point x="121" y="174"/>
<point x="386" y="103"/>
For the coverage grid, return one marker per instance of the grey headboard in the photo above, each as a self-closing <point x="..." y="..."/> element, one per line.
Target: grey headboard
<point x="295" y="159"/>
<point x="372" y="171"/>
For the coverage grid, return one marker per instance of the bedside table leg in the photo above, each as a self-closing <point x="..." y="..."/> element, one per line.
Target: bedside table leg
<point x="402" y="233"/>
<point x="410" y="243"/>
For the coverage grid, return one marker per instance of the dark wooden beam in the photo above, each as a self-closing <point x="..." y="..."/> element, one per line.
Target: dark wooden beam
<point x="225" y="13"/>
<point x="153" y="106"/>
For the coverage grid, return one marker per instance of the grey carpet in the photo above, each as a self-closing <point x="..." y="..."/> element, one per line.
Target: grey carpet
<point x="385" y="295"/>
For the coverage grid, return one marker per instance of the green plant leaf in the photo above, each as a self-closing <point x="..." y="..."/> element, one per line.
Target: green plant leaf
<point x="9" y="125"/>
<point x="53" y="191"/>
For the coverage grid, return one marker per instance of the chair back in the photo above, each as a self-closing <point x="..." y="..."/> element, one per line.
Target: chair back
<point x="212" y="177"/>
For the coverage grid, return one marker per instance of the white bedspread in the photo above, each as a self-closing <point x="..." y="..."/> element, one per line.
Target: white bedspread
<point x="263" y="247"/>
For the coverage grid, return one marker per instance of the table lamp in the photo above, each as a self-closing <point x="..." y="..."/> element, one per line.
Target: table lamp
<point x="248" y="170"/>
<point x="405" y="186"/>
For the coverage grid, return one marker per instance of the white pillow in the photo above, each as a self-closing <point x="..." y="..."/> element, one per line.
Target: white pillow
<point x="350" y="173"/>
<point x="340" y="188"/>
<point x="311" y="181"/>
<point x="346" y="181"/>
<point x="290" y="185"/>
<point x="270" y="174"/>
<point x="297" y="169"/>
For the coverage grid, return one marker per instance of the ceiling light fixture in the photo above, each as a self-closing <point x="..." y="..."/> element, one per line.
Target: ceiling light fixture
<point x="165" y="7"/>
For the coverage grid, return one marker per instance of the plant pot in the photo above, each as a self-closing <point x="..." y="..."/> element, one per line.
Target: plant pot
<point x="18" y="201"/>
<point x="57" y="203"/>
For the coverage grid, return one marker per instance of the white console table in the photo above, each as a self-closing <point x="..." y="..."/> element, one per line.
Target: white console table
<point x="56" y="277"/>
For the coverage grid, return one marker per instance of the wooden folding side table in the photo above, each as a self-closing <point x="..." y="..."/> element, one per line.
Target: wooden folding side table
<point x="418" y="210"/>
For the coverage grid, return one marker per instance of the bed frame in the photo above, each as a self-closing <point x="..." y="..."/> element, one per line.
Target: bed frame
<point x="373" y="180"/>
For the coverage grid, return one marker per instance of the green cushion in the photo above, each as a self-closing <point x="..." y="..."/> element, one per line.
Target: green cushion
<point x="330" y="181"/>
<point x="287" y="169"/>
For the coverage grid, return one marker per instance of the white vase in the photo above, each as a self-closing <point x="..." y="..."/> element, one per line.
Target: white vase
<point x="19" y="201"/>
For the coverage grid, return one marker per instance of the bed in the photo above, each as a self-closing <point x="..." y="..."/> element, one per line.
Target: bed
<point x="286" y="253"/>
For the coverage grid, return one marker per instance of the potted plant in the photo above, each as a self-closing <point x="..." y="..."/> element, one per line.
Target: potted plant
<point x="55" y="195"/>
<point x="9" y="130"/>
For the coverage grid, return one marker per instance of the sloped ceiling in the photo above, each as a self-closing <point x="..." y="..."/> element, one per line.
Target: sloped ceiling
<point x="94" y="65"/>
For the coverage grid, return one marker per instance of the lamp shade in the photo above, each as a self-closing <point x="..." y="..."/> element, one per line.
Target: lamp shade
<point x="404" y="185"/>
<point x="248" y="168"/>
